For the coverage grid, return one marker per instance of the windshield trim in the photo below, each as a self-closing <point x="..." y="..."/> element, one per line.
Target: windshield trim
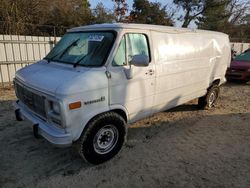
<point x="88" y="31"/>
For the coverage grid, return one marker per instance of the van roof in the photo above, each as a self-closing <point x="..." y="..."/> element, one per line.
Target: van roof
<point x="113" y="26"/>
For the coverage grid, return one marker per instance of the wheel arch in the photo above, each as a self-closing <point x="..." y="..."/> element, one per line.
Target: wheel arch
<point x="117" y="109"/>
<point x="216" y="81"/>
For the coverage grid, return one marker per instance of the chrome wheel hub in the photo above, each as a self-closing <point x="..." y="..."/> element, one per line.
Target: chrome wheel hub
<point x="105" y="139"/>
<point x="211" y="99"/>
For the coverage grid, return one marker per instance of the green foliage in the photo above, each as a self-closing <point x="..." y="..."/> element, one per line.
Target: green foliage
<point x="149" y="13"/>
<point x="192" y="9"/>
<point x="216" y="15"/>
<point x="228" y="16"/>
<point x="246" y="20"/>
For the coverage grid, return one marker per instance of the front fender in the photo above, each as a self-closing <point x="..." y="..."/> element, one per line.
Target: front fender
<point x="97" y="112"/>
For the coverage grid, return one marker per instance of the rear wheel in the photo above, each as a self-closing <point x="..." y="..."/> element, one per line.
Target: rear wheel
<point x="103" y="138"/>
<point x="210" y="99"/>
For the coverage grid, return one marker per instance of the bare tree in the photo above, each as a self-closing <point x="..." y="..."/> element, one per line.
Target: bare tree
<point x="121" y="8"/>
<point x="238" y="10"/>
<point x="18" y="12"/>
<point x="194" y="9"/>
<point x="103" y="15"/>
<point x="27" y="16"/>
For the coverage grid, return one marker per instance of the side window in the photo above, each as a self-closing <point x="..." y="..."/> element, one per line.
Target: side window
<point x="120" y="57"/>
<point x="137" y="44"/>
<point x="130" y="45"/>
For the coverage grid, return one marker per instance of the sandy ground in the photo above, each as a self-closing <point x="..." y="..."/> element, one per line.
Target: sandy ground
<point x="183" y="147"/>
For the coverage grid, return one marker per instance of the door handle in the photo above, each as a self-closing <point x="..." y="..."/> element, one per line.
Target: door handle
<point x="150" y="72"/>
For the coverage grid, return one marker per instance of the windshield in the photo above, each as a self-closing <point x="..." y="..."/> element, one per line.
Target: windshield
<point x="83" y="48"/>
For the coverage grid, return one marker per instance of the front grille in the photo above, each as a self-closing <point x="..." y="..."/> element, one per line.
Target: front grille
<point x="33" y="101"/>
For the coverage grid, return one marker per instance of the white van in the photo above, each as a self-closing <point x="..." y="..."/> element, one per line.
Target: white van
<point x="99" y="78"/>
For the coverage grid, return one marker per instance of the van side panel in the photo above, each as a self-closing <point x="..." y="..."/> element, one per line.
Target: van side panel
<point x="221" y="58"/>
<point x="186" y="64"/>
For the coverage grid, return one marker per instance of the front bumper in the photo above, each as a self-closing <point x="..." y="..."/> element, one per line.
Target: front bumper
<point x="54" y="135"/>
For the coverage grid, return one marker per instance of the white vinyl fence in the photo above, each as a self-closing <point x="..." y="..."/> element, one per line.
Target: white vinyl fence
<point x="19" y="51"/>
<point x="240" y="47"/>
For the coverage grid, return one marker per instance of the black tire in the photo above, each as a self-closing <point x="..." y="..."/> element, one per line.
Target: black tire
<point x="98" y="132"/>
<point x="209" y="100"/>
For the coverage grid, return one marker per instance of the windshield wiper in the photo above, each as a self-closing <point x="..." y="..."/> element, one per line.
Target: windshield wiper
<point x="66" y="49"/>
<point x="63" y="51"/>
<point x="93" y="52"/>
<point x="78" y="61"/>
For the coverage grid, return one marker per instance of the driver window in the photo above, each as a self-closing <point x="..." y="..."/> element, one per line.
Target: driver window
<point x="137" y="45"/>
<point x="130" y="45"/>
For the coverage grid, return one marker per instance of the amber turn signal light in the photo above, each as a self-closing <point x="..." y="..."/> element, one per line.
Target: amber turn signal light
<point x="75" y="105"/>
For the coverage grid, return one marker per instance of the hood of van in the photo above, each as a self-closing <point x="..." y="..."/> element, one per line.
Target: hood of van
<point x="53" y="78"/>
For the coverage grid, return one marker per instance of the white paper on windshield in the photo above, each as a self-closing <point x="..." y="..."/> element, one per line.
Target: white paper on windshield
<point x="97" y="38"/>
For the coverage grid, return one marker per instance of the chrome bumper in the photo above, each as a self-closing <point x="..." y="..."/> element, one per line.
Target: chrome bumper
<point x="54" y="135"/>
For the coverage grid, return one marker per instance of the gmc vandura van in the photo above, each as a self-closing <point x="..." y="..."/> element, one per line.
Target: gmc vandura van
<point x="99" y="78"/>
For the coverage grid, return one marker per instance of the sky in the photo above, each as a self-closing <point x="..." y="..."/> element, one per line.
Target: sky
<point x="109" y="4"/>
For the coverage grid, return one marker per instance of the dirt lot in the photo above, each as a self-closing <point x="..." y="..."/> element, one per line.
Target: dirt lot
<point x="184" y="147"/>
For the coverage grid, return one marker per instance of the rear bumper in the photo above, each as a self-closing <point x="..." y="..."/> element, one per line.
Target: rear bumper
<point x="237" y="75"/>
<point x="54" y="135"/>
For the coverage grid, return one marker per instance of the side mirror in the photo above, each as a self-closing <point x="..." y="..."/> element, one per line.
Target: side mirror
<point x="140" y="60"/>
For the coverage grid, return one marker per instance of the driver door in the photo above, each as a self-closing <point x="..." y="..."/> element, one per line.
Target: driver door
<point x="135" y="93"/>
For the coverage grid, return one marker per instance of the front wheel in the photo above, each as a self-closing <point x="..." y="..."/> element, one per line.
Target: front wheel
<point x="209" y="100"/>
<point x="103" y="138"/>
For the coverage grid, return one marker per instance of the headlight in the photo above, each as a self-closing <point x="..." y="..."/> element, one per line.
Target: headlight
<point x="54" y="113"/>
<point x="55" y="107"/>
